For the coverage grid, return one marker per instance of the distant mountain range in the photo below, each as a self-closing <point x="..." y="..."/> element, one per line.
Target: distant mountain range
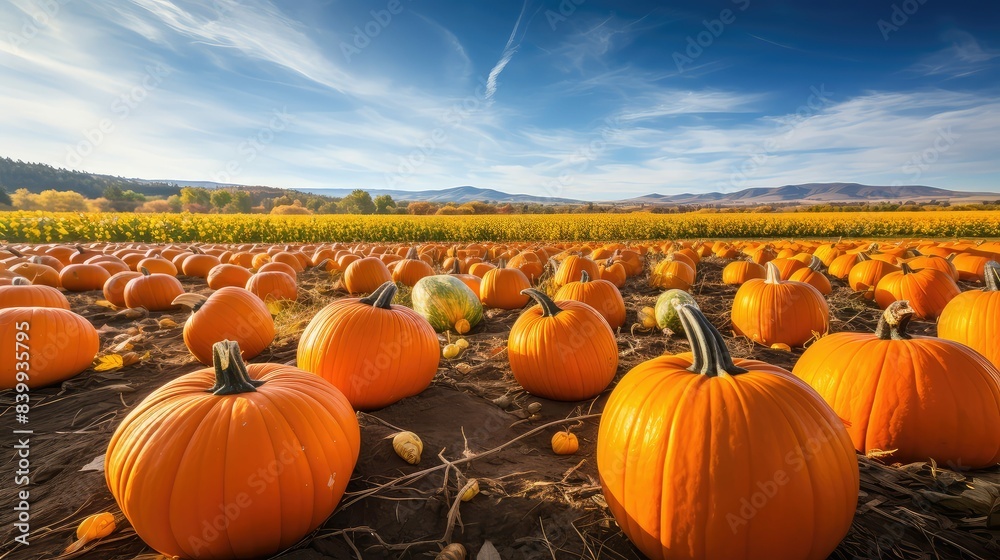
<point x="815" y="193"/>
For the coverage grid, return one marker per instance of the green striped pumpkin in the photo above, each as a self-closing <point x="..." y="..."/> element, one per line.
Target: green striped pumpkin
<point x="666" y="309"/>
<point x="443" y="300"/>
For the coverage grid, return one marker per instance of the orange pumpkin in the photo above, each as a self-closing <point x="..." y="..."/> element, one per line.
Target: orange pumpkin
<point x="771" y="311"/>
<point x="155" y="292"/>
<point x="528" y="263"/>
<point x="614" y="272"/>
<point x="702" y="456"/>
<point x="474" y="283"/>
<point x="53" y="344"/>
<point x="932" y="261"/>
<point x="296" y="260"/>
<point x="296" y="439"/>
<point x="738" y="272"/>
<point x="788" y="266"/>
<point x="273" y="285"/>
<point x="83" y="277"/>
<point x="841" y="266"/>
<point x="672" y="274"/>
<point x="912" y="395"/>
<point x="970" y="267"/>
<point x="21" y="293"/>
<point x="37" y="273"/>
<point x="199" y="265"/>
<point x="411" y="269"/>
<point x="114" y="288"/>
<point x="224" y="275"/>
<point x="157" y="265"/>
<point x="867" y="273"/>
<point x="602" y="295"/>
<point x="393" y="354"/>
<point x="813" y="275"/>
<point x="928" y="290"/>
<point x="502" y="288"/>
<point x="562" y="351"/>
<point x="565" y="443"/>
<point x="230" y="313"/>
<point x="570" y="268"/>
<point x="366" y="275"/>
<point x="972" y="318"/>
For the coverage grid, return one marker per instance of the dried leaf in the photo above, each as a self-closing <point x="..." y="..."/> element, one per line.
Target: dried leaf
<point x="130" y="358"/>
<point x="167" y="323"/>
<point x="496" y="350"/>
<point x="96" y="464"/>
<point x="463" y="368"/>
<point x="488" y="552"/>
<point x="105" y="303"/>
<point x="109" y="362"/>
<point x="273" y="306"/>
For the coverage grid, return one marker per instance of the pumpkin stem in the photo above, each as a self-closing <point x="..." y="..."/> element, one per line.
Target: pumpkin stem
<point x="584" y="277"/>
<point x="456" y="268"/>
<point x="907" y="269"/>
<point x="773" y="276"/>
<point x="862" y="257"/>
<point x="14" y="251"/>
<point x="194" y="301"/>
<point x="502" y="263"/>
<point x="549" y="307"/>
<point x="711" y="356"/>
<point x="951" y="258"/>
<point x="231" y="376"/>
<point x="412" y="253"/>
<point x="378" y="297"/>
<point x="815" y="264"/>
<point x="992" y="274"/>
<point x="917" y="253"/>
<point x="20" y="281"/>
<point x="894" y="320"/>
<point x="144" y="271"/>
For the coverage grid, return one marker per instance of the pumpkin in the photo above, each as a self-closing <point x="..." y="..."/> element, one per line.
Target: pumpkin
<point x="813" y="275"/>
<point x="376" y="353"/>
<point x="671" y="273"/>
<point x="114" y="288"/>
<point x="21" y="293"/>
<point x="602" y="295"/>
<point x="771" y="310"/>
<point x="411" y="269"/>
<point x="170" y="464"/>
<point x="971" y="318"/>
<point x="199" y="265"/>
<point x="480" y="269"/>
<point x="827" y="253"/>
<point x="472" y="281"/>
<point x="157" y="265"/>
<point x="787" y="266"/>
<point x="37" y="273"/>
<point x="155" y="292"/>
<point x="528" y="263"/>
<point x="702" y="456"/>
<point x="296" y="260"/>
<point x="562" y="351"/>
<point x="666" y="309"/>
<point x="614" y="272"/>
<point x="230" y="313"/>
<point x="970" y="267"/>
<point x="275" y="266"/>
<point x="840" y="267"/>
<point x="47" y="261"/>
<point x="565" y="443"/>
<point x="501" y="288"/>
<point x="445" y="300"/>
<point x="866" y="274"/>
<point x="55" y="345"/>
<point x="83" y="277"/>
<point x="928" y="290"/>
<point x="570" y="268"/>
<point x="365" y="275"/>
<point x="919" y="397"/>
<point x="223" y="275"/>
<point x="274" y="286"/>
<point x="738" y="272"/>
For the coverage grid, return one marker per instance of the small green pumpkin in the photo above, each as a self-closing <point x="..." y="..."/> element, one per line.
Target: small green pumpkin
<point x="666" y="309"/>
<point x="445" y="300"/>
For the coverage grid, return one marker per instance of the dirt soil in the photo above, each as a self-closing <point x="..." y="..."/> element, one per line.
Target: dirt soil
<point x="533" y="503"/>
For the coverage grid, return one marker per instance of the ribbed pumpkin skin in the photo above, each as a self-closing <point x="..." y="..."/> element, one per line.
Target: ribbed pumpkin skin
<point x="157" y="265"/>
<point x="841" y="266"/>
<point x="930" y="261"/>
<point x="199" y="265"/>
<point x="38" y="274"/>
<point x="409" y="271"/>
<point x="614" y="273"/>
<point x="528" y="263"/>
<point x="972" y="318"/>
<point x="570" y="268"/>
<point x="183" y="456"/>
<point x="230" y="313"/>
<point x="83" y="277"/>
<point x="786" y="312"/>
<point x="374" y="356"/>
<point x="62" y="344"/>
<point x="919" y="396"/>
<point x="970" y="267"/>
<point x="672" y="274"/>
<point x="501" y="288"/>
<point x="443" y="300"/>
<point x="114" y="288"/>
<point x="866" y="274"/>
<point x="155" y="292"/>
<point x="224" y="275"/>
<point x="569" y="357"/>
<point x="928" y="290"/>
<point x="602" y="295"/>
<point x="738" y="272"/>
<point x="273" y="286"/>
<point x="685" y="459"/>
<point x="32" y="296"/>
<point x="365" y="275"/>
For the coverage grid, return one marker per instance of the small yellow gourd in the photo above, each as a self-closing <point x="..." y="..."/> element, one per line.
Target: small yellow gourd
<point x="647" y="317"/>
<point x="462" y="326"/>
<point x="471" y="491"/>
<point x="408" y="446"/>
<point x="565" y="443"/>
<point x="453" y="551"/>
<point x="450" y="351"/>
<point x="93" y="527"/>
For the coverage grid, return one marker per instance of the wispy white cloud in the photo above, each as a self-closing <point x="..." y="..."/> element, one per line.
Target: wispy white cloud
<point x="964" y="56"/>
<point x="508" y="53"/>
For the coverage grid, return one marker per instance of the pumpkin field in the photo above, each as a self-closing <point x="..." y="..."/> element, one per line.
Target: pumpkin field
<point x="447" y="389"/>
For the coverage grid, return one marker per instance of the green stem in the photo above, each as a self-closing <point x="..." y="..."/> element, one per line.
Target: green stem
<point x="907" y="269"/>
<point x="382" y="296"/>
<point x="584" y="277"/>
<point x="711" y="356"/>
<point x="549" y="307"/>
<point x="231" y="375"/>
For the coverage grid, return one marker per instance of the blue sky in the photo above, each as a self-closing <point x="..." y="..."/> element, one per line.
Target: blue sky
<point x="580" y="98"/>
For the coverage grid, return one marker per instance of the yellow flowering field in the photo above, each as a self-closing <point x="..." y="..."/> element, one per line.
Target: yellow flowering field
<point x="35" y="227"/>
